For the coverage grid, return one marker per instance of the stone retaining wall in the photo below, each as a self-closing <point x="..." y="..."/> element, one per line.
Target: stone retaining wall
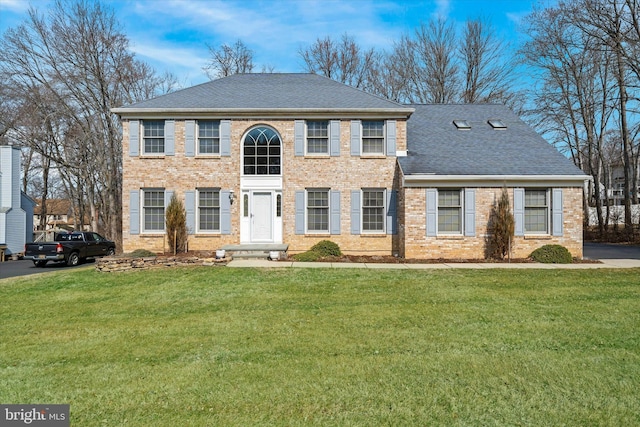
<point x="113" y="264"/>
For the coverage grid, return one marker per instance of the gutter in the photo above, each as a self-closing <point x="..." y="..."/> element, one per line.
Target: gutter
<point x="230" y="113"/>
<point x="432" y="180"/>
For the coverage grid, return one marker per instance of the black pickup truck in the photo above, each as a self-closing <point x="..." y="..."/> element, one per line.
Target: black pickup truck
<point x="72" y="248"/>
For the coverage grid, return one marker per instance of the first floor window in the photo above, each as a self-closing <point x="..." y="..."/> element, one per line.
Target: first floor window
<point x="318" y="210"/>
<point x="373" y="210"/>
<point x="208" y="137"/>
<point x="449" y="211"/>
<point x="318" y="137"/>
<point x="373" y="137"/>
<point x="536" y="211"/>
<point x="208" y="210"/>
<point x="153" y="210"/>
<point x="153" y="136"/>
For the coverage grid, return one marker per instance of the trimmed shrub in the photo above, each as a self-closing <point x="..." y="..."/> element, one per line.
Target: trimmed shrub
<point x="501" y="226"/>
<point x="552" y="254"/>
<point x="322" y="249"/>
<point x="309" y="256"/>
<point x="326" y="248"/>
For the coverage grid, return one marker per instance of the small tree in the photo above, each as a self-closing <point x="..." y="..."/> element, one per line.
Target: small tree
<point x="502" y="227"/>
<point x="176" y="219"/>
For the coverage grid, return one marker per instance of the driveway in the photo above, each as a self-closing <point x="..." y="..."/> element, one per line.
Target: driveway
<point x="610" y="251"/>
<point x="24" y="268"/>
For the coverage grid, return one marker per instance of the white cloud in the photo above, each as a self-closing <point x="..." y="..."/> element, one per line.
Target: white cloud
<point x="443" y="7"/>
<point x="18" y="6"/>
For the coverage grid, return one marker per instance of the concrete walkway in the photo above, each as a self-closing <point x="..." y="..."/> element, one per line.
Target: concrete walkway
<point x="605" y="263"/>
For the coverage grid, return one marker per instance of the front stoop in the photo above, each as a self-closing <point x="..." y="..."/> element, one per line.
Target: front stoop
<point x="255" y="250"/>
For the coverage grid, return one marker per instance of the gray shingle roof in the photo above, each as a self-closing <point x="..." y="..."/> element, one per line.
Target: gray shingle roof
<point x="436" y="146"/>
<point x="269" y="92"/>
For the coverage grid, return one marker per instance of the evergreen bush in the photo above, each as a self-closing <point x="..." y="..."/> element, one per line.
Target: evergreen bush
<point x="502" y="226"/>
<point x="552" y="254"/>
<point x="326" y="248"/>
<point x="176" y="223"/>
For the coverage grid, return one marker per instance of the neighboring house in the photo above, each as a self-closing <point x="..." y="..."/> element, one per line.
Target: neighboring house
<point x="16" y="208"/>
<point x="616" y="179"/>
<point x="59" y="215"/>
<point x="299" y="158"/>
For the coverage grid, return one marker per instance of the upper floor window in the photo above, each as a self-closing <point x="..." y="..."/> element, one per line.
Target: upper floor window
<point x="536" y="211"/>
<point x="262" y="152"/>
<point x="373" y="210"/>
<point x="153" y="135"/>
<point x="373" y="137"/>
<point x="208" y="137"/>
<point x="318" y="137"/>
<point x="449" y="211"/>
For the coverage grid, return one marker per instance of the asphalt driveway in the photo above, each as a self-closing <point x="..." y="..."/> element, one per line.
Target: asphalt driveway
<point x="24" y="268"/>
<point x="611" y="251"/>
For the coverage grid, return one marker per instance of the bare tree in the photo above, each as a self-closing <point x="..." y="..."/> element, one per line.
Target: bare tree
<point x="229" y="59"/>
<point x="488" y="77"/>
<point x="344" y="61"/>
<point x="71" y="66"/>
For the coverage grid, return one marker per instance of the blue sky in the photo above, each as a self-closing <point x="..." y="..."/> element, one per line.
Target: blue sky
<point x="172" y="35"/>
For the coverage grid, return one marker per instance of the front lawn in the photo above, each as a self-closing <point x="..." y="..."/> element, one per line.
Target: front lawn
<point x="219" y="346"/>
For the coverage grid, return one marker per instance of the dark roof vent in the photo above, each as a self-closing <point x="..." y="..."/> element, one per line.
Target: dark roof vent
<point x="497" y="124"/>
<point x="462" y="124"/>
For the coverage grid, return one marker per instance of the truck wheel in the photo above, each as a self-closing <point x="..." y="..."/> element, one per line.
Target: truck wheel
<point x="39" y="263"/>
<point x="111" y="252"/>
<point x="73" y="259"/>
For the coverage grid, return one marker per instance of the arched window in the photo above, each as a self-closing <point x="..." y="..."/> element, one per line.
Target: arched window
<point x="262" y="152"/>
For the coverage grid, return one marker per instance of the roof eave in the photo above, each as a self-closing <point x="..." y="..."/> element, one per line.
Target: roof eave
<point x="265" y="112"/>
<point x="426" y="180"/>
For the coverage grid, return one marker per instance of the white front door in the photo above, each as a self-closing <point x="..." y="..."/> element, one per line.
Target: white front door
<point x="262" y="217"/>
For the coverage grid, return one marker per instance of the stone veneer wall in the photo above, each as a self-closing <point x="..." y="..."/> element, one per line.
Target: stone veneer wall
<point x="418" y="245"/>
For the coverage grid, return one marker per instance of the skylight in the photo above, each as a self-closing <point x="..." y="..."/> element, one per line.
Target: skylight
<point x="462" y="124"/>
<point x="497" y="124"/>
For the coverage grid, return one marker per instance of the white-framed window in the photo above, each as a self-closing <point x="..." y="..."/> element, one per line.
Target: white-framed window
<point x="450" y="211"/>
<point x="262" y="152"/>
<point x="317" y="210"/>
<point x="208" y="210"/>
<point x="153" y="136"/>
<point x="317" y="141"/>
<point x="208" y="137"/>
<point x="536" y="211"/>
<point x="153" y="209"/>
<point x="373" y="137"/>
<point x="373" y="210"/>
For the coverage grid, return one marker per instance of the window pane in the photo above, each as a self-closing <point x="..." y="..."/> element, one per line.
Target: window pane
<point x="536" y="213"/>
<point x="449" y="211"/>
<point x="153" y="136"/>
<point x="209" y="210"/>
<point x="373" y="137"/>
<point x="208" y="137"/>
<point x="262" y="148"/>
<point x="318" y="210"/>
<point x="373" y="210"/>
<point x="317" y="137"/>
<point x="153" y="207"/>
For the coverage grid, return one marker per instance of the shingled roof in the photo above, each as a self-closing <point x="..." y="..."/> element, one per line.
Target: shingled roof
<point x="437" y="147"/>
<point x="268" y="92"/>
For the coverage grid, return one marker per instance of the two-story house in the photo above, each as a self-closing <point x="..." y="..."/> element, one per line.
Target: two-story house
<point x="298" y="158"/>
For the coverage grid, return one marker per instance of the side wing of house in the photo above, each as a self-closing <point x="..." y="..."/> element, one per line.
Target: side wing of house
<point x="463" y="158"/>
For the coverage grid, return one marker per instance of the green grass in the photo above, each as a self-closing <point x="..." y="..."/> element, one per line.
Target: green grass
<point x="296" y="347"/>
